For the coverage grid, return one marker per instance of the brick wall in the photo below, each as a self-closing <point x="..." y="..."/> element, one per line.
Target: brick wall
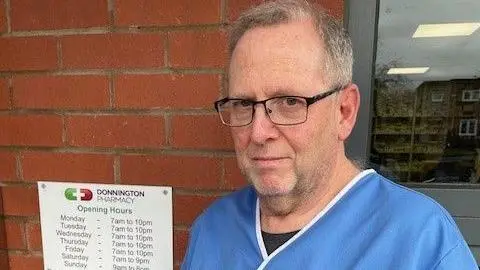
<point x="112" y="91"/>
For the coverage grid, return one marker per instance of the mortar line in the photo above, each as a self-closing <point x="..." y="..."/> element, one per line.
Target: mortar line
<point x="7" y="16"/>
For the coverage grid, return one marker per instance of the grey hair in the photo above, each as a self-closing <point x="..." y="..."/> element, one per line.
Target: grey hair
<point x="338" y="46"/>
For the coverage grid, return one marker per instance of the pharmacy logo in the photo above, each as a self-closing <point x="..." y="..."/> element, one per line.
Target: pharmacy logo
<point x="73" y="194"/>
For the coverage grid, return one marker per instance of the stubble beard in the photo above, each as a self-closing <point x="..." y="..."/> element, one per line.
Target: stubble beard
<point x="283" y="204"/>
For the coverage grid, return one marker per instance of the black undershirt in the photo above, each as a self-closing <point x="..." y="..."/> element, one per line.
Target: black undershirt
<point x="272" y="241"/>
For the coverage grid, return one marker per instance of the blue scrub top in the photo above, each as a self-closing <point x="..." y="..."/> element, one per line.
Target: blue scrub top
<point x="372" y="223"/>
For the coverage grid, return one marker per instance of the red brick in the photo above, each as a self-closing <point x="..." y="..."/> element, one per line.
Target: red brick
<point x="3" y="19"/>
<point x="75" y="167"/>
<point x="58" y="14"/>
<point x="167" y="91"/>
<point x="188" y="207"/>
<point x="180" y="240"/>
<point x="15" y="234"/>
<point x="116" y="131"/>
<point x="3" y="257"/>
<point x="333" y="7"/>
<point x="202" y="172"/>
<point x="28" y="53"/>
<point x="61" y="92"/>
<point x="2" y="227"/>
<point x="200" y="132"/>
<point x="198" y="49"/>
<point x="8" y="166"/>
<point x="33" y="130"/>
<point x="166" y="12"/>
<point x="34" y="236"/>
<point x="20" y="201"/>
<point x="236" y="7"/>
<point x="113" y="51"/>
<point x="233" y="177"/>
<point x="3" y="237"/>
<point x="4" y="95"/>
<point x="25" y="262"/>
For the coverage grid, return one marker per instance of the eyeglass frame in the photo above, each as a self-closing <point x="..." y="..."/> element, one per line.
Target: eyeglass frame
<point x="309" y="101"/>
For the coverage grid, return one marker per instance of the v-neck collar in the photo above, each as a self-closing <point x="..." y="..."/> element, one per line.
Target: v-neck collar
<point x="265" y="256"/>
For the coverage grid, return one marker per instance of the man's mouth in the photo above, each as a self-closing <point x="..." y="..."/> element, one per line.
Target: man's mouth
<point x="268" y="161"/>
<point x="267" y="158"/>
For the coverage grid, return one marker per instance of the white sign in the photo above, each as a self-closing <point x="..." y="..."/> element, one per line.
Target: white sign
<point x="106" y="227"/>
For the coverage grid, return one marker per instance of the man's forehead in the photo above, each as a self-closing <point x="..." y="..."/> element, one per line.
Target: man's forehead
<point x="276" y="60"/>
<point x="264" y="93"/>
<point x="277" y="47"/>
<point x="298" y="34"/>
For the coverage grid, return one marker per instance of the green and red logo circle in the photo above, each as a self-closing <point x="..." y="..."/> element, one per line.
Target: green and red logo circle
<point x="78" y="194"/>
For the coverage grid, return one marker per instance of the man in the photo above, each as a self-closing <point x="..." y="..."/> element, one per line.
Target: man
<point x="291" y="106"/>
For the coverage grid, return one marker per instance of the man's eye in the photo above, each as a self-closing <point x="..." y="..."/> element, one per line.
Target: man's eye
<point x="241" y="103"/>
<point x="291" y="101"/>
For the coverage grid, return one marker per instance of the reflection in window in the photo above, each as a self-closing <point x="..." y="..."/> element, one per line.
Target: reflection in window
<point x="437" y="97"/>
<point x="468" y="127"/>
<point x="427" y="93"/>
<point x="471" y="95"/>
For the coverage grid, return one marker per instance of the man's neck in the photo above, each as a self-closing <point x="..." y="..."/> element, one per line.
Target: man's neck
<point x="305" y="208"/>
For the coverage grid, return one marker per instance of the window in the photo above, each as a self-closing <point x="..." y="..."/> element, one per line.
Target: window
<point x="421" y="149"/>
<point x="437" y="97"/>
<point x="471" y="95"/>
<point x="468" y="127"/>
<point x="425" y="111"/>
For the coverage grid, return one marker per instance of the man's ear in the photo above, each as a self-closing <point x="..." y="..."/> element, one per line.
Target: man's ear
<point x="349" y="102"/>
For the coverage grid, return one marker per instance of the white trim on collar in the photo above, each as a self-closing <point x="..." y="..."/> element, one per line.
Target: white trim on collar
<point x="258" y="230"/>
<point x="265" y="256"/>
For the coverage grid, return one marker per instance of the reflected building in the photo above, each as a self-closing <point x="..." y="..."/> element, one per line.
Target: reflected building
<point x="429" y="132"/>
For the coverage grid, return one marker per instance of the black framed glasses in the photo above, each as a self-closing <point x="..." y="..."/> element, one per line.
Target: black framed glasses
<point x="282" y="110"/>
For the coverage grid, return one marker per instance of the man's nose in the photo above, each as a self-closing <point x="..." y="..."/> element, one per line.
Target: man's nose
<point x="263" y="129"/>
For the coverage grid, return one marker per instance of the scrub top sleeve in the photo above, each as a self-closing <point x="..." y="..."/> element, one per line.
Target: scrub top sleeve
<point x="195" y="232"/>
<point x="459" y="257"/>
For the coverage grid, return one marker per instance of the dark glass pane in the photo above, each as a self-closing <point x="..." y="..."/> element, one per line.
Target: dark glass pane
<point x="427" y="91"/>
<point x="463" y="127"/>
<point x="471" y="127"/>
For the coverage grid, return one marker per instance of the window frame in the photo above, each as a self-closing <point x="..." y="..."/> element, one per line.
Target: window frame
<point x="472" y="93"/>
<point x="361" y="21"/>
<point x="469" y="122"/>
